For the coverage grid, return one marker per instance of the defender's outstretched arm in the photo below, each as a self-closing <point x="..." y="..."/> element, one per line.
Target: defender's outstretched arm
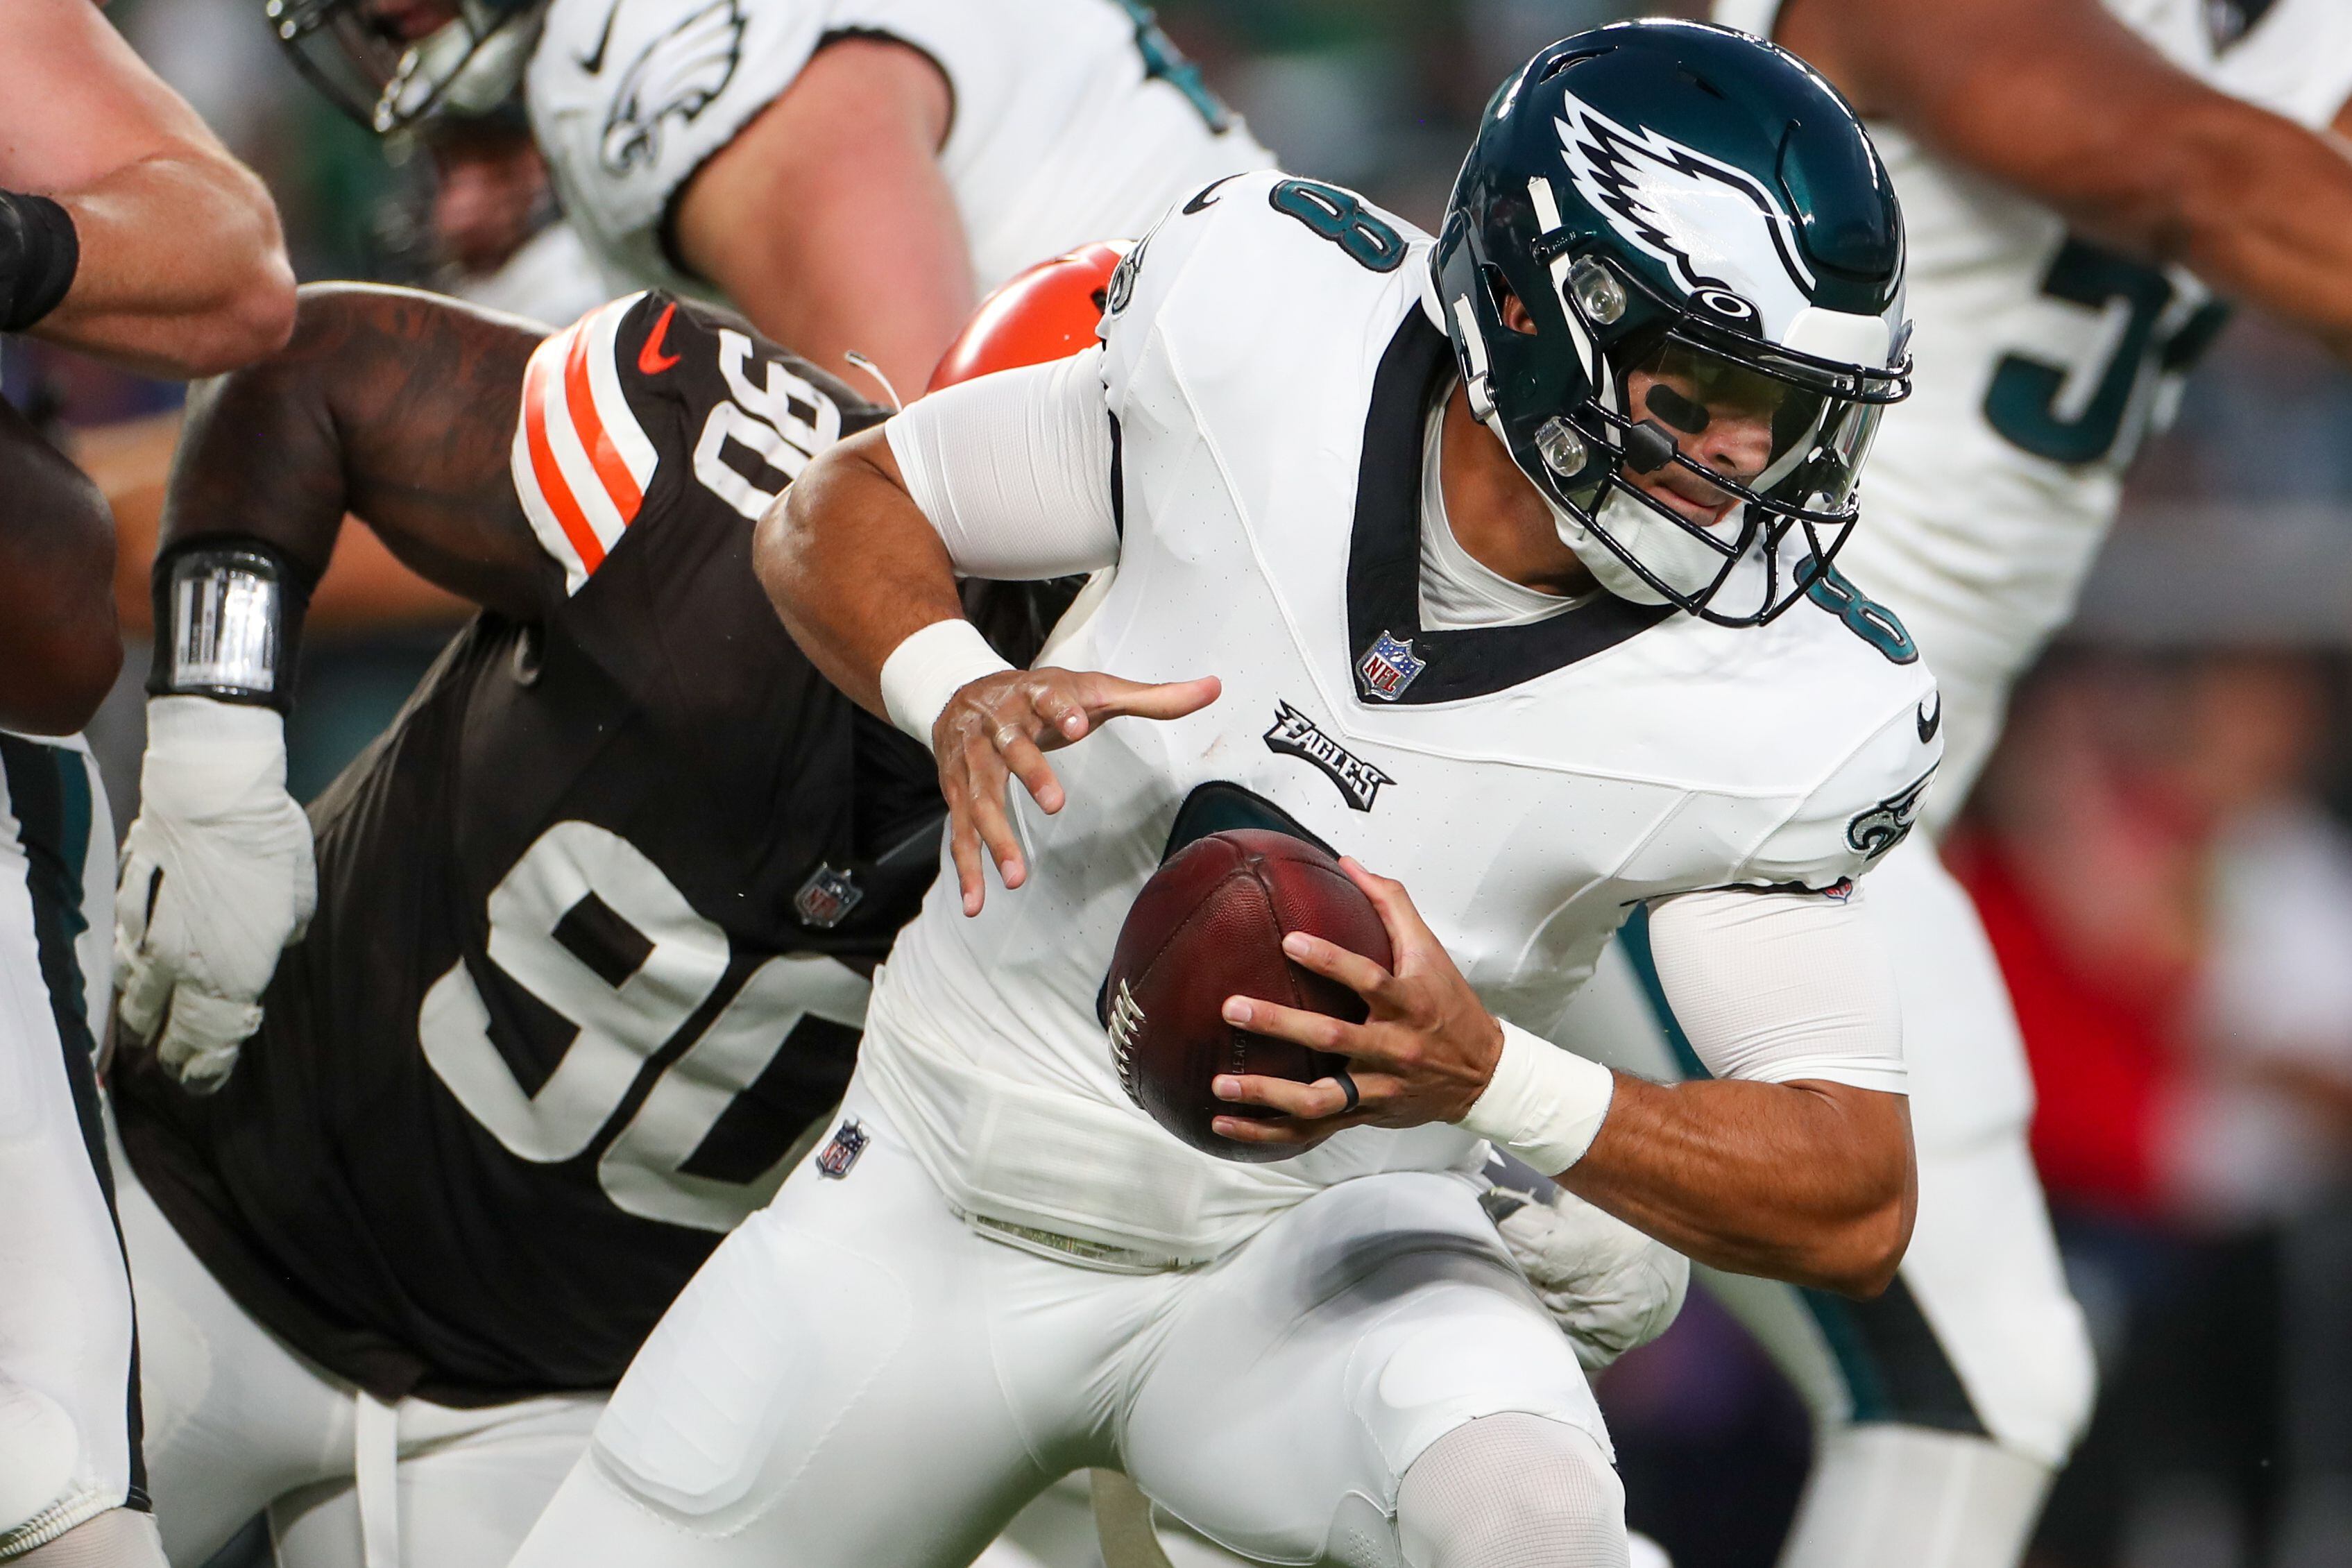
<point x="2061" y="101"/>
<point x="395" y="406"/>
<point x="399" y="406"/>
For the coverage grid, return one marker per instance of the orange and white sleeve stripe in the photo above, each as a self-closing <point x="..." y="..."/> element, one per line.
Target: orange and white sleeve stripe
<point x="580" y="460"/>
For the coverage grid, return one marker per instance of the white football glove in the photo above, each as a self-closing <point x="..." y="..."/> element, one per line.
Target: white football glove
<point x="1608" y="1286"/>
<point x="217" y="879"/>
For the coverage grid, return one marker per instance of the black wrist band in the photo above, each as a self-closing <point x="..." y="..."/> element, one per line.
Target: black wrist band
<point x="39" y="254"/>
<point x="228" y="620"/>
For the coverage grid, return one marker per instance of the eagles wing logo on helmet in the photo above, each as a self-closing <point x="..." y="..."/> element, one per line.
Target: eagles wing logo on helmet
<point x="679" y="74"/>
<point x="1688" y="210"/>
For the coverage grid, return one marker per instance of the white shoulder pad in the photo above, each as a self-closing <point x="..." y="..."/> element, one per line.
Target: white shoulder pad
<point x="627" y="101"/>
<point x="1246" y="251"/>
<point x="1866" y="806"/>
<point x="1147" y="273"/>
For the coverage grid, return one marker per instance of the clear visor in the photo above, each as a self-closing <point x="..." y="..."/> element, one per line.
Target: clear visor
<point x="387" y="63"/>
<point x="1706" y="431"/>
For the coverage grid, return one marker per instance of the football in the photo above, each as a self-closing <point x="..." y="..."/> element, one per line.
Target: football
<point x="1209" y="925"/>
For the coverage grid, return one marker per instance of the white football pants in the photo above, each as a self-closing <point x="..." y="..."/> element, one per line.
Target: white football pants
<point x="240" y="1423"/>
<point x="69" y="1411"/>
<point x="857" y="1378"/>
<point x="1943" y="1408"/>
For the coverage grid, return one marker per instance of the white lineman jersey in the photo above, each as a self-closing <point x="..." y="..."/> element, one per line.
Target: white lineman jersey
<point x="2044" y="361"/>
<point x="1270" y="360"/>
<point x="1073" y="121"/>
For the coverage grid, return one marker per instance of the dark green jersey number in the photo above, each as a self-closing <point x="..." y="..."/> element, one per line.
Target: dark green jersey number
<point x="2077" y="413"/>
<point x="1163" y="61"/>
<point x="1866" y="617"/>
<point x="1339" y="217"/>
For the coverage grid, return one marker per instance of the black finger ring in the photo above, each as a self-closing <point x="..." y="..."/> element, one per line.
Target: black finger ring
<point x="1348" y="1083"/>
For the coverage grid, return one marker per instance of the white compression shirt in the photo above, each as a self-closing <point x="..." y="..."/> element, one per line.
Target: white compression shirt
<point x="1014" y="473"/>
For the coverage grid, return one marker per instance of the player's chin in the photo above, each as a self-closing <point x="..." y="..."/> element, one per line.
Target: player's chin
<point x="1703" y="510"/>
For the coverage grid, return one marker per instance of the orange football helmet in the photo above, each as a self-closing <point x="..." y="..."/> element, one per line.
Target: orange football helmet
<point x="1047" y="312"/>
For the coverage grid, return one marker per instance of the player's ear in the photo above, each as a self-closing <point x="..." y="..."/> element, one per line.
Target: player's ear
<point x="1514" y="313"/>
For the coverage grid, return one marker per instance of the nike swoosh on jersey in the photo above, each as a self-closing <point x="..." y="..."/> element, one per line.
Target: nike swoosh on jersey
<point x="593" y="62"/>
<point x="650" y="358"/>
<point x="1206" y="196"/>
<point x="1930" y="722"/>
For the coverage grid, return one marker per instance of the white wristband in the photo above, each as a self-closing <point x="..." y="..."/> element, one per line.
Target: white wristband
<point x="930" y="666"/>
<point x="1543" y="1104"/>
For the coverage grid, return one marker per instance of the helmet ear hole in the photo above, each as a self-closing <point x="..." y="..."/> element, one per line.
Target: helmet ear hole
<point x="1509" y="308"/>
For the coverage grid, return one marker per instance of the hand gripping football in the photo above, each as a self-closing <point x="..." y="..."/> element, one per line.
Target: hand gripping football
<point x="1209" y="925"/>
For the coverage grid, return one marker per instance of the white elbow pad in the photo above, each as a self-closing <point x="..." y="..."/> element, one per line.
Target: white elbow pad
<point x="1014" y="471"/>
<point x="1774" y="987"/>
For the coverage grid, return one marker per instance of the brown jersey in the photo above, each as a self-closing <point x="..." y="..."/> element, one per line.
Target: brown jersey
<point x="595" y="915"/>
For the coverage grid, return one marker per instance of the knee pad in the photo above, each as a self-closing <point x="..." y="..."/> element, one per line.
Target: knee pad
<point x="1884" y="1494"/>
<point x="39" y="1452"/>
<point x="1513" y="1491"/>
<point x="119" y="1537"/>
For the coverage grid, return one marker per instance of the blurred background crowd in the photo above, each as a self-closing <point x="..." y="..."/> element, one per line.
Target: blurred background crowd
<point x="2161" y="850"/>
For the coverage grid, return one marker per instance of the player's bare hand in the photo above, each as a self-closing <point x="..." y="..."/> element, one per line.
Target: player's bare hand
<point x="1000" y="728"/>
<point x="1425" y="1054"/>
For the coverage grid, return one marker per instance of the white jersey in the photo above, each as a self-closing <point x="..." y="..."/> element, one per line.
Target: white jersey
<point x="1269" y="359"/>
<point x="2042" y="361"/>
<point x="1073" y="121"/>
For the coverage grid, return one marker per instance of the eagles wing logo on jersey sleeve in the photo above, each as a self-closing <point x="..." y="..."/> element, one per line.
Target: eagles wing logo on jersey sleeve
<point x="580" y="461"/>
<point x="679" y="75"/>
<point x="2227" y="22"/>
<point x="1676" y="204"/>
<point x="1874" y="832"/>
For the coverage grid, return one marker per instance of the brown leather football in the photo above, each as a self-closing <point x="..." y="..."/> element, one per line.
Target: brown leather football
<point x="1209" y="925"/>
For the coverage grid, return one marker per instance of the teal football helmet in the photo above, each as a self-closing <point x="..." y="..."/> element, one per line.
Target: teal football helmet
<point x="1671" y="269"/>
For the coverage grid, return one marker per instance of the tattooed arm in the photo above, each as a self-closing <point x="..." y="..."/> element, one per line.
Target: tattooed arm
<point x="394" y="406"/>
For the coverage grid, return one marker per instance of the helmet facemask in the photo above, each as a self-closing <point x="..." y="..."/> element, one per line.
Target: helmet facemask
<point x="1700" y="467"/>
<point x="365" y="57"/>
<point x="1672" y="272"/>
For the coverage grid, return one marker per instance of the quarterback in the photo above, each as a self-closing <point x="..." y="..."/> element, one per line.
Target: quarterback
<point x="851" y="174"/>
<point x="1532" y="524"/>
<point x="2078" y="179"/>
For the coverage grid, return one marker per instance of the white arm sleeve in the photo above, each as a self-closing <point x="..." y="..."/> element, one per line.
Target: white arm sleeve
<point x="1014" y="469"/>
<point x="1779" y="986"/>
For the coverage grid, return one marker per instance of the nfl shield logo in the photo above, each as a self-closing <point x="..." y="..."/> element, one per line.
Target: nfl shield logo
<point x="825" y="900"/>
<point x="848" y="1142"/>
<point x="1388" y="667"/>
